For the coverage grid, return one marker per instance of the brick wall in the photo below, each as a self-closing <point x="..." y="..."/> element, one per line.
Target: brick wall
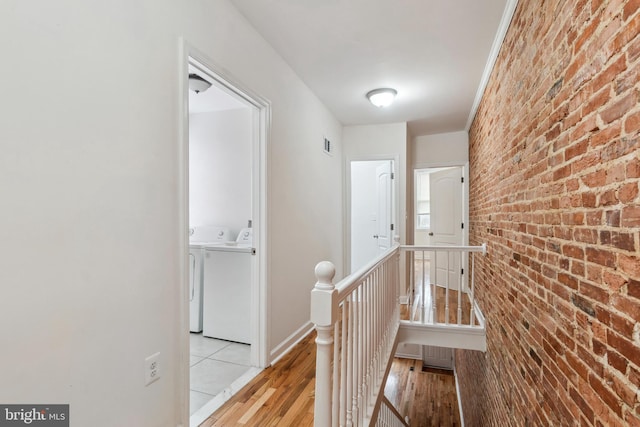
<point x="555" y="167"/>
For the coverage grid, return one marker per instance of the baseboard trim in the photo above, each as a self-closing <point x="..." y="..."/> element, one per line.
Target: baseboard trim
<point x="285" y="346"/>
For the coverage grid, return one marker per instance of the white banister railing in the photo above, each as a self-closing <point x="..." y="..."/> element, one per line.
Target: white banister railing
<point x="357" y="323"/>
<point x="388" y="415"/>
<point x="358" y="326"/>
<point x="447" y="268"/>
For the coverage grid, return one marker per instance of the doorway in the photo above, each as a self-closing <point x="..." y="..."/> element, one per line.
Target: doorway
<point x="439" y="201"/>
<point x="225" y="131"/>
<point x="372" y="208"/>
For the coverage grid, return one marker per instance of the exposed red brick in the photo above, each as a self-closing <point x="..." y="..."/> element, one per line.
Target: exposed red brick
<point x="630" y="9"/>
<point x="631" y="216"/>
<point x="604" y="393"/>
<point x="594" y="292"/>
<point x="624" y="241"/>
<point x="617" y="361"/>
<point x="613" y="280"/>
<point x="563" y="95"/>
<point x="585" y="235"/>
<point x="584" y="407"/>
<point x="632" y="123"/>
<point x="625" y="347"/>
<point x="633" y="168"/>
<point x="619" y="147"/>
<point x="588" y="200"/>
<point x="601" y="256"/>
<point x="628" y="193"/>
<point x="634" y="288"/>
<point x="595" y="179"/>
<point x="608" y="198"/>
<point x="606" y="135"/>
<point x="573" y="251"/>
<point x="629" y="264"/>
<point x="613" y="218"/>
<point x="633" y="50"/>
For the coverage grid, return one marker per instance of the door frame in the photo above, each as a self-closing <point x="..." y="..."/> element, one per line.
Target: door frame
<point x="465" y="200"/>
<point x="190" y="55"/>
<point x="395" y="161"/>
<point x="465" y="192"/>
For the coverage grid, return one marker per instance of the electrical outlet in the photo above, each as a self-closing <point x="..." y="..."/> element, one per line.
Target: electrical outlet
<point x="152" y="368"/>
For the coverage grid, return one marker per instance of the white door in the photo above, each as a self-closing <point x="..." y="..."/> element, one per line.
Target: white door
<point x="437" y="357"/>
<point x="384" y="213"/>
<point x="371" y="209"/>
<point x="445" y="189"/>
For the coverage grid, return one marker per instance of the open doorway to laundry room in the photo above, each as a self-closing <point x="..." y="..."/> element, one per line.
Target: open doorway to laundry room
<point x="226" y="133"/>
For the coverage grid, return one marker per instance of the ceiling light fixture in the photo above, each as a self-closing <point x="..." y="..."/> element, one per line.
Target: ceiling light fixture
<point x="382" y="97"/>
<point x="198" y="84"/>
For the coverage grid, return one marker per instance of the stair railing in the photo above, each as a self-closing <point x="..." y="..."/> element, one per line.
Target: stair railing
<point x="388" y="415"/>
<point x="357" y="323"/>
<point x="438" y="261"/>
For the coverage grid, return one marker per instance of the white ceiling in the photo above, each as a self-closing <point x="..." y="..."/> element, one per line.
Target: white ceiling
<point x="433" y="52"/>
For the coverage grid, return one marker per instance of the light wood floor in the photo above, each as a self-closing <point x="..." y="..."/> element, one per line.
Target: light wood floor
<point x="427" y="396"/>
<point x="283" y="395"/>
<point x="423" y="308"/>
<point x="420" y="309"/>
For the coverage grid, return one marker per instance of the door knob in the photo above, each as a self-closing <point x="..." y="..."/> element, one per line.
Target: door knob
<point x="431" y="234"/>
<point x="375" y="236"/>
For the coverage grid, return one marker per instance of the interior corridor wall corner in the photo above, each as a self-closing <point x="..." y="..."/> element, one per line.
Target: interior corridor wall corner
<point x="555" y="182"/>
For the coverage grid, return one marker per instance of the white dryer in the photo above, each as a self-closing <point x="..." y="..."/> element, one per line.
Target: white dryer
<point x="199" y="237"/>
<point x="227" y="289"/>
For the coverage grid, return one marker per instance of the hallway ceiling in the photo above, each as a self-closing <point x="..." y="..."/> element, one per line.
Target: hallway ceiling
<point x="433" y="52"/>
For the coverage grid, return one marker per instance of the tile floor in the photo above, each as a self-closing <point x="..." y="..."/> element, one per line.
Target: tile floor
<point x="214" y="365"/>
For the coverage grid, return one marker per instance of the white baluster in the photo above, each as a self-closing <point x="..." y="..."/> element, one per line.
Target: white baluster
<point x="460" y="290"/>
<point x="335" y="406"/>
<point x="434" y="281"/>
<point x="446" y="291"/>
<point x="350" y="402"/>
<point x="343" y="365"/>
<point x="473" y="275"/>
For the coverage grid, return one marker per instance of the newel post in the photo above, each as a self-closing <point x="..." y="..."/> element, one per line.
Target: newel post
<point x="324" y="308"/>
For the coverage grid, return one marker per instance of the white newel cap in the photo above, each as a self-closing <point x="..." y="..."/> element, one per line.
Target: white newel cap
<point x="325" y="271"/>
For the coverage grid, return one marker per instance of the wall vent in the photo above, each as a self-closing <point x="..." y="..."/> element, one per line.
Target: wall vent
<point x="328" y="147"/>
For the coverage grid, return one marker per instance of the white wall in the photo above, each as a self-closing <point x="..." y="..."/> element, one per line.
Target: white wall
<point x="441" y="149"/>
<point x="89" y="182"/>
<point x="220" y="168"/>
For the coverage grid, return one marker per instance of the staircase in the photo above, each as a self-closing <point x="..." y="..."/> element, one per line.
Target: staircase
<point x="358" y="323"/>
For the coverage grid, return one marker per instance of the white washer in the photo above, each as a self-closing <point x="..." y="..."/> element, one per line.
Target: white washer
<point x="199" y="236"/>
<point x="227" y="289"/>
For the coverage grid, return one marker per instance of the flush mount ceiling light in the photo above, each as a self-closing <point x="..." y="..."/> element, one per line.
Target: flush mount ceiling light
<point x="198" y="84"/>
<point x="382" y="97"/>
